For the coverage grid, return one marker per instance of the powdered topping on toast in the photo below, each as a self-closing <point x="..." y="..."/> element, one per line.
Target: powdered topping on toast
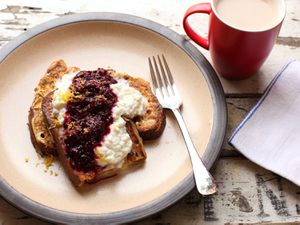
<point x="90" y="106"/>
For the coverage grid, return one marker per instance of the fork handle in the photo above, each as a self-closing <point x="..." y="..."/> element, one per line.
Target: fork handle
<point x="205" y="183"/>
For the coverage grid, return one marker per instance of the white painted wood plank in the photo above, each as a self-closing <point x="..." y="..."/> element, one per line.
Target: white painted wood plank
<point x="237" y="110"/>
<point x="247" y="194"/>
<point x="241" y="182"/>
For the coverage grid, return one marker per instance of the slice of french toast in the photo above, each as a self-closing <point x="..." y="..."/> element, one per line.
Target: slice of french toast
<point x="153" y="122"/>
<point x="149" y="126"/>
<point x="75" y="124"/>
<point x="78" y="177"/>
<point x="39" y="133"/>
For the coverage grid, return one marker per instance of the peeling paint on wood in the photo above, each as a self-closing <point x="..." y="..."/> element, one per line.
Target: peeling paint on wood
<point x="289" y="41"/>
<point x="239" y="181"/>
<point x="262" y="213"/>
<point x="248" y="194"/>
<point x="239" y="200"/>
<point x="209" y="214"/>
<point x="11" y="9"/>
<point x="264" y="223"/>
<point x="298" y="209"/>
<point x="237" y="108"/>
<point x="278" y="203"/>
<point x="23" y="9"/>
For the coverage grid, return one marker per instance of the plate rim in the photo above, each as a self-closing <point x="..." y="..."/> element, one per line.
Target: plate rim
<point x="211" y="152"/>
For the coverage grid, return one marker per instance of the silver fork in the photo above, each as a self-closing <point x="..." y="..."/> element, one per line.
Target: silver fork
<point x="169" y="97"/>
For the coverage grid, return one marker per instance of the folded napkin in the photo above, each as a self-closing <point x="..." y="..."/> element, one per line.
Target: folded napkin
<point x="270" y="133"/>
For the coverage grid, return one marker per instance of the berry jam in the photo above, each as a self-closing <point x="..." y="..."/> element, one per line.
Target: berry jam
<point x="88" y="117"/>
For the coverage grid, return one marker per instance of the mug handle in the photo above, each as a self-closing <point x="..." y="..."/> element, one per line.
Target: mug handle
<point x="199" y="8"/>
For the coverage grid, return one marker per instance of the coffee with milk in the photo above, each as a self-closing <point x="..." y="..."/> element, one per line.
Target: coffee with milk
<point x="252" y="15"/>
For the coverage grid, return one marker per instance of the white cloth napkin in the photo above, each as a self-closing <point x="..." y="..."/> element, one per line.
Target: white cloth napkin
<point x="270" y="133"/>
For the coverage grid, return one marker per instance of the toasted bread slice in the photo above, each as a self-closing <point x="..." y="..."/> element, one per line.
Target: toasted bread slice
<point x="136" y="156"/>
<point x="149" y="126"/>
<point x="40" y="135"/>
<point x="152" y="124"/>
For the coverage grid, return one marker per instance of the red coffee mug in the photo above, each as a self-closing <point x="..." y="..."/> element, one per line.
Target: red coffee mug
<point x="235" y="53"/>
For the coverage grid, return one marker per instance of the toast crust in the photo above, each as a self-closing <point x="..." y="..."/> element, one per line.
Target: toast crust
<point x="152" y="124"/>
<point x="40" y="136"/>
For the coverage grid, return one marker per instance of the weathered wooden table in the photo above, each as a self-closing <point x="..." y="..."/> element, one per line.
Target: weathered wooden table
<point x="247" y="193"/>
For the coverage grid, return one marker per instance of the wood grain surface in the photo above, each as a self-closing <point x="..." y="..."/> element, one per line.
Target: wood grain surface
<point x="248" y="194"/>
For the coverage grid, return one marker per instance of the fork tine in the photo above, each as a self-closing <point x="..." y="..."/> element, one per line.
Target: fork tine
<point x="160" y="83"/>
<point x="170" y="77"/>
<point x="168" y="70"/>
<point x="167" y="84"/>
<point x="154" y="81"/>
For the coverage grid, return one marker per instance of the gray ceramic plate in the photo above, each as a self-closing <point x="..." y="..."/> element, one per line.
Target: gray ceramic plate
<point x="122" y="42"/>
